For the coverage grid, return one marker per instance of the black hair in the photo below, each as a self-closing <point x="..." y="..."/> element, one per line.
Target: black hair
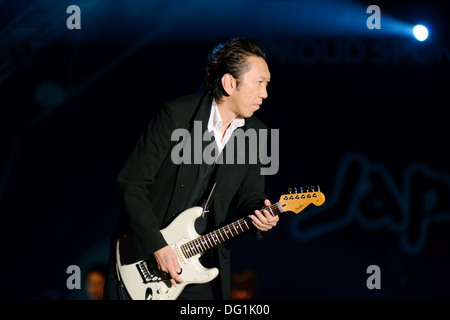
<point x="229" y="57"/>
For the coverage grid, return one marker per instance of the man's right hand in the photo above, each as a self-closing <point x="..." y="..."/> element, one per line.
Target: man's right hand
<point x="168" y="262"/>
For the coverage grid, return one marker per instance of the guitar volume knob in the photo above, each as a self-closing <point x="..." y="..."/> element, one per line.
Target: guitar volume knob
<point x="162" y="290"/>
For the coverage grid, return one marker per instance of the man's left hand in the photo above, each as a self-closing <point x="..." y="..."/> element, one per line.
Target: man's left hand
<point x="264" y="220"/>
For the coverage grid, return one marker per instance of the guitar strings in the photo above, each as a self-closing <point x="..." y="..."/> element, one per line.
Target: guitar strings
<point x="220" y="235"/>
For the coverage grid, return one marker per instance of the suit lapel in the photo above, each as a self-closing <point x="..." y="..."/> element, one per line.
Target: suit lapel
<point x="188" y="172"/>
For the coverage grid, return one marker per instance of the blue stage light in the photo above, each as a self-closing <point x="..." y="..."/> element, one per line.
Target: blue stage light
<point x="420" y="32"/>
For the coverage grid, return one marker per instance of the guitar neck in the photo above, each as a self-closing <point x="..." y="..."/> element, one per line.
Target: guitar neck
<point x="225" y="233"/>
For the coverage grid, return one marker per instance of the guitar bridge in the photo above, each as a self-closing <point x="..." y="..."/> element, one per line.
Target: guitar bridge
<point x="145" y="273"/>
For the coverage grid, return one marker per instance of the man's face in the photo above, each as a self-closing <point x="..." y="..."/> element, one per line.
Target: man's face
<point x="252" y="89"/>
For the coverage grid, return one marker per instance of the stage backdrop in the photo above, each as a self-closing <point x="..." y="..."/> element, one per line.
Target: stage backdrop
<point x="360" y="114"/>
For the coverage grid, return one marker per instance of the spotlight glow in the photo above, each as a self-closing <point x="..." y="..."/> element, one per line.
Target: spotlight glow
<point x="420" y="32"/>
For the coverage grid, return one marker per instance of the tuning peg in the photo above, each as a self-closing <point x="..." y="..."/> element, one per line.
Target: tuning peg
<point x="312" y="188"/>
<point x="318" y="188"/>
<point x="301" y="189"/>
<point x="295" y="189"/>
<point x="290" y="190"/>
<point x="307" y="189"/>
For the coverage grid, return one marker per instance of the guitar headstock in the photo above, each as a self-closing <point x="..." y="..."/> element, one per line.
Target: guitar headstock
<point x="297" y="201"/>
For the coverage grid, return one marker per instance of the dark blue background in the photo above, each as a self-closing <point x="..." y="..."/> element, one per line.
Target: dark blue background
<point x="360" y="112"/>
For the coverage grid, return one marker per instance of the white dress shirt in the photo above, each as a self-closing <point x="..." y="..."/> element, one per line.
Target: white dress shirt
<point x="215" y="125"/>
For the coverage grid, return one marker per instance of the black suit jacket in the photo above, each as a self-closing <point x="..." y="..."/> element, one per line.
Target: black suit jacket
<point x="154" y="190"/>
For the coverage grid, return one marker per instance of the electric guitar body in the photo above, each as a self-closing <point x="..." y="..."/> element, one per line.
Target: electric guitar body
<point x="143" y="280"/>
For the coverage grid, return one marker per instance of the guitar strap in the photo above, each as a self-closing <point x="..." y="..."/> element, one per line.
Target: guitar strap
<point x="206" y="206"/>
<point x="207" y="202"/>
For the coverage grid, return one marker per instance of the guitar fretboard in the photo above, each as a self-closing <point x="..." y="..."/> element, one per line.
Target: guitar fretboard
<point x="225" y="233"/>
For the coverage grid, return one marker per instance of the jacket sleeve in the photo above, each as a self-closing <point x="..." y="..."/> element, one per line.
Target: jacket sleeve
<point x="138" y="174"/>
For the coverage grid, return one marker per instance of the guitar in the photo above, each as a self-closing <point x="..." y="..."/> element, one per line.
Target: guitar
<point x="144" y="281"/>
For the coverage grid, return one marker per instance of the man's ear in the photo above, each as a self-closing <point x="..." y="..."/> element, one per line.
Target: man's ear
<point x="229" y="83"/>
